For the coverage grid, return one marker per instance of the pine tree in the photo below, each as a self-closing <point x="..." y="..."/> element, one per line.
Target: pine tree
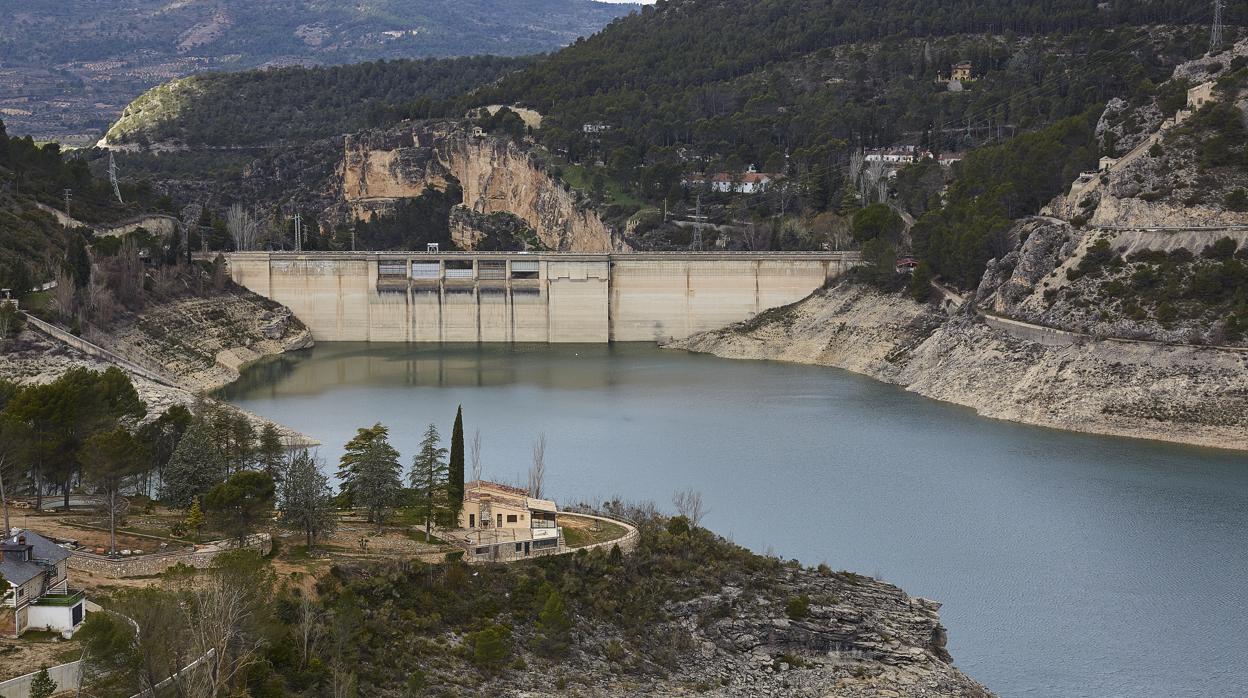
<point x="554" y="628"/>
<point x="375" y="473"/>
<point x="455" y="486"/>
<point x="429" y="478"/>
<point x="42" y="686"/>
<point x="305" y="500"/>
<point x="196" y="466"/>
<point x="270" y="452"/>
<point x="194" y="517"/>
<point x="349" y="463"/>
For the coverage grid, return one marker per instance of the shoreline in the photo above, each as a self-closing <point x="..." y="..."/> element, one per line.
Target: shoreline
<point x="1161" y="393"/>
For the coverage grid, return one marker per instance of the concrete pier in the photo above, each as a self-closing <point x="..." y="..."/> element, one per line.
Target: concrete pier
<point x="530" y="297"/>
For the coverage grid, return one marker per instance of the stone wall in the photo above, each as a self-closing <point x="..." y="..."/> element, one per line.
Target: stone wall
<point x="147" y="565"/>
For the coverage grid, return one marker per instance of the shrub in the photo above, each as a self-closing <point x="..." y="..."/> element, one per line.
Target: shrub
<point x="1236" y="200"/>
<point x="798" y="607"/>
<point x="490" y="647"/>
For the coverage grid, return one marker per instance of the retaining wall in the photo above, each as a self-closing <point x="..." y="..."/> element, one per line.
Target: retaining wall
<point x="156" y="563"/>
<point x="65" y="675"/>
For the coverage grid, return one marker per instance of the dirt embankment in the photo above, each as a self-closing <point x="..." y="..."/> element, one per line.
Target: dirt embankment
<point x="1170" y="393"/>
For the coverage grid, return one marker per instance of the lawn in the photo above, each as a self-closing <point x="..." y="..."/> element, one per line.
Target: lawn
<point x="578" y="532"/>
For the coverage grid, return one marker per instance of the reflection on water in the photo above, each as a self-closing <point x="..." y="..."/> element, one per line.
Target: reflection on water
<point x="1068" y="564"/>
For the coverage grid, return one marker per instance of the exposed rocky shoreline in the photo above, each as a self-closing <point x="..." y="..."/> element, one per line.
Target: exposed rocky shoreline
<point x="1187" y="395"/>
<point x="200" y="343"/>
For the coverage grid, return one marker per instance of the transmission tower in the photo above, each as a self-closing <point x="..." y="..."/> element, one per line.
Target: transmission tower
<point x="1215" y="34"/>
<point x="112" y="176"/>
<point x="696" y="243"/>
<point x="68" y="193"/>
<point x="298" y="232"/>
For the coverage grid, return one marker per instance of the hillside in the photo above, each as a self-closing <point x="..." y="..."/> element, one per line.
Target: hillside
<point x="1083" y="319"/>
<point x="289" y="105"/>
<point x="68" y="68"/>
<point x="638" y="118"/>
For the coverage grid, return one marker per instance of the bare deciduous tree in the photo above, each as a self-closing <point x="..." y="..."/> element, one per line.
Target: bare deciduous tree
<point x="537" y="473"/>
<point x="64" y="296"/>
<point x="474" y="454"/>
<point x="218" y="619"/>
<point x="243" y="228"/>
<point x="689" y="504"/>
<point x="307" y="627"/>
<point x="855" y="167"/>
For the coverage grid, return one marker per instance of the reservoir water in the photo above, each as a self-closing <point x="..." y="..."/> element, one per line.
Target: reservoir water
<point x="1068" y="564"/>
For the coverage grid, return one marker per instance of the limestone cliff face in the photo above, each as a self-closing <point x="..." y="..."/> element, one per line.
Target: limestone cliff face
<point x="1170" y="393"/>
<point x="496" y="175"/>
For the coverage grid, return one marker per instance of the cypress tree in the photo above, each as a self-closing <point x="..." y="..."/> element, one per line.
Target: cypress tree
<point x="455" y="485"/>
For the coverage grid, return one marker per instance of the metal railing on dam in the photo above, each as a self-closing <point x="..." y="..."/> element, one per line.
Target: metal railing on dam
<point x="530" y="297"/>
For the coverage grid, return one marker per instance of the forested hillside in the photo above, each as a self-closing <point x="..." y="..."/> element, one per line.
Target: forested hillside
<point x="67" y="68"/>
<point x="290" y="104"/>
<point x="32" y="242"/>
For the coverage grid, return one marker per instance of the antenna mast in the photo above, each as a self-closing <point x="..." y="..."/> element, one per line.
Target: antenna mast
<point x="112" y="176"/>
<point x="1215" y="34"/>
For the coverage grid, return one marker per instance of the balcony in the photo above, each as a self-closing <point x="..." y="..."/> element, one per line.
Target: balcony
<point x="68" y="598"/>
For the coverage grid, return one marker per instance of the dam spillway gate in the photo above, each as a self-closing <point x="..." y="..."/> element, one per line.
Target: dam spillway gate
<point x="530" y="297"/>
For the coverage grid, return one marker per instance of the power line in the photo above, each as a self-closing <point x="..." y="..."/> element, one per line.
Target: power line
<point x="1215" y="34"/>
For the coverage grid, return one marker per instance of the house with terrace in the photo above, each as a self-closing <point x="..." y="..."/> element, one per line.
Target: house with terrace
<point x="35" y="590"/>
<point x="500" y="522"/>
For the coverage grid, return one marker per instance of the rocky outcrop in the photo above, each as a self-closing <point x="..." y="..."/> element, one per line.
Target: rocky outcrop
<point x="1182" y="394"/>
<point x="206" y="341"/>
<point x="495" y="174"/>
<point x="471" y="230"/>
<point x="37" y="357"/>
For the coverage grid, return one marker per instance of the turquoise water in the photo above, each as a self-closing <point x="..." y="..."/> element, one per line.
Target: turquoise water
<point x="1068" y="565"/>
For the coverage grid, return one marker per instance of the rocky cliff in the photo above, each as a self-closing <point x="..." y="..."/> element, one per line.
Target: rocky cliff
<point x="496" y="175"/>
<point x="205" y="341"/>
<point x="1182" y="394"/>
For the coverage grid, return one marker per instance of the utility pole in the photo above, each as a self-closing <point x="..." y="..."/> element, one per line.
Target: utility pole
<point x="1215" y="34"/>
<point x="112" y="176"/>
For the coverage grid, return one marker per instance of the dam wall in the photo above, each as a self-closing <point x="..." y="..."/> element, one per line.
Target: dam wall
<point x="529" y="297"/>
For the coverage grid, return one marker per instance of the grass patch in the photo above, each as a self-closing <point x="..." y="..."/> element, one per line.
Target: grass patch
<point x="419" y="537"/>
<point x="577" y="533"/>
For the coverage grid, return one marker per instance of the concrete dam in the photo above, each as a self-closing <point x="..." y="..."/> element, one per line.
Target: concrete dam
<point x="530" y="297"/>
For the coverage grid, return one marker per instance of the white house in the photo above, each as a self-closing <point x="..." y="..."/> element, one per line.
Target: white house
<point x="36" y="594"/>
<point x="595" y="127"/>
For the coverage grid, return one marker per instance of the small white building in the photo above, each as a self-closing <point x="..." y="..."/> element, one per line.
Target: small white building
<point x="1199" y="96"/>
<point x="37" y="594"/>
<point x="595" y="127"/>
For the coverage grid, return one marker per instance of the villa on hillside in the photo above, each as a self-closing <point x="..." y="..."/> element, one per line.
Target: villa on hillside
<point x="749" y="182"/>
<point x="36" y="593"/>
<point x="500" y="522"/>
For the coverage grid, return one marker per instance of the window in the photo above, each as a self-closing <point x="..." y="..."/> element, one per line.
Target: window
<point x="511" y="518"/>
<point x="472" y="521"/>
<point x="546" y="543"/>
<point x="519" y="547"/>
<point x="500" y="520"/>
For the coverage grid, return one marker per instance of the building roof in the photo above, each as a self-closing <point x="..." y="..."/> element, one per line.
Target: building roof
<point x="43" y="553"/>
<point x="495" y="492"/>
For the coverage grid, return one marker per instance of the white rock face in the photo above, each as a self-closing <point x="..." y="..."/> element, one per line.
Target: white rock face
<point x="1179" y="394"/>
